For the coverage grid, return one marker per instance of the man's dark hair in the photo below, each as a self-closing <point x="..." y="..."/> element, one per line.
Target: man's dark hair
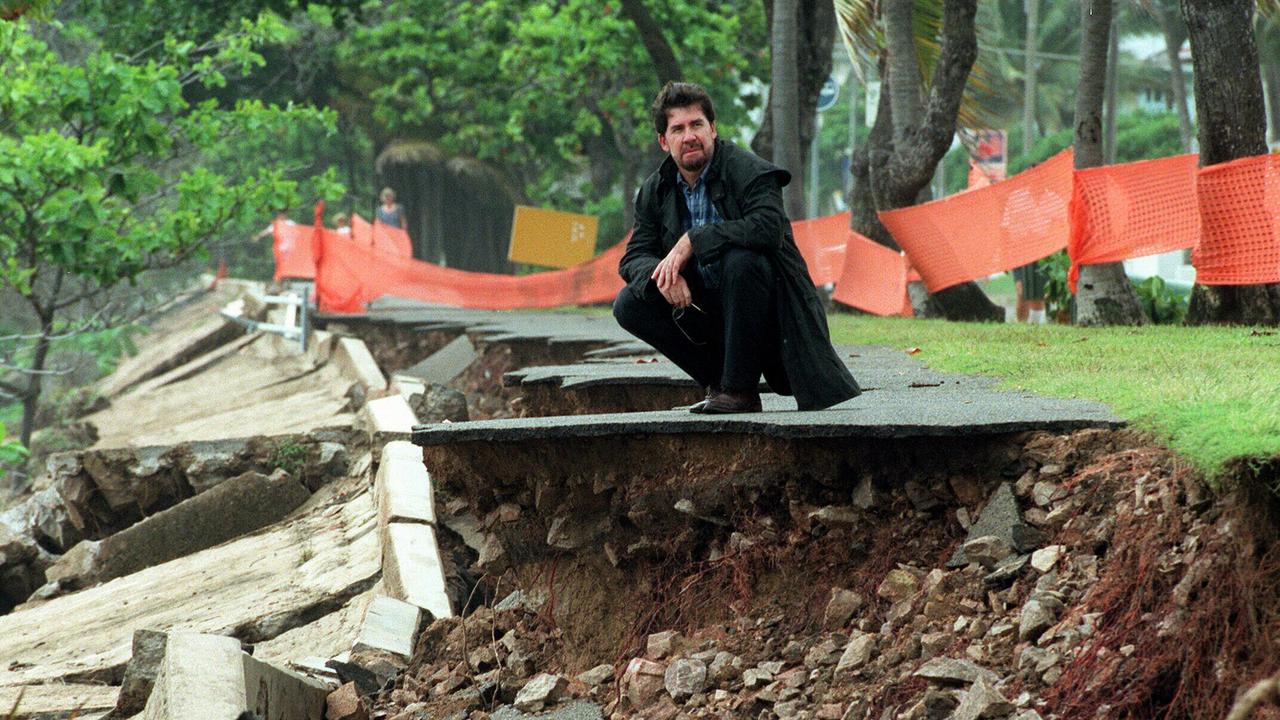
<point x="677" y="95"/>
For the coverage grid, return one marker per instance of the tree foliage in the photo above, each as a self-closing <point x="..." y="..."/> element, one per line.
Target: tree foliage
<point x="106" y="170"/>
<point x="542" y="90"/>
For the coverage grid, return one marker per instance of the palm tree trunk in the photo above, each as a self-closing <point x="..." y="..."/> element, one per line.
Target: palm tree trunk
<point x="904" y="71"/>
<point x="785" y="93"/>
<point x="1232" y="121"/>
<point x="1175" y="33"/>
<point x="1105" y="295"/>
<point x="1113" y="88"/>
<point x="1029" y="72"/>
<point x="920" y="140"/>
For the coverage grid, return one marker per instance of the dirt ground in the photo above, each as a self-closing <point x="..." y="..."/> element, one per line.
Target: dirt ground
<point x="1168" y="592"/>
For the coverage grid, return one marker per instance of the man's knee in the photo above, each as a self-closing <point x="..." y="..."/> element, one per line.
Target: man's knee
<point x="740" y="265"/>
<point x="630" y="311"/>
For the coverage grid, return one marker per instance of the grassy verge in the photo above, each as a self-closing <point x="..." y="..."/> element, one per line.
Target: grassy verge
<point x="1211" y="394"/>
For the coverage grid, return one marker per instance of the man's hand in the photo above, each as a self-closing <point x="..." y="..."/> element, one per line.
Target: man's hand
<point x="678" y="294"/>
<point x="667" y="273"/>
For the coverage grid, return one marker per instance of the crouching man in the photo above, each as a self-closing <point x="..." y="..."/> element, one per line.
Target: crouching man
<point x="714" y="279"/>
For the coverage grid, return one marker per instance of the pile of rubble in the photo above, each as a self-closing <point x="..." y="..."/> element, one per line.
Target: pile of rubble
<point x="1008" y="620"/>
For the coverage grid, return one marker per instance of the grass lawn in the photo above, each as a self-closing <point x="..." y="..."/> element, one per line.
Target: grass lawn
<point x="1211" y="394"/>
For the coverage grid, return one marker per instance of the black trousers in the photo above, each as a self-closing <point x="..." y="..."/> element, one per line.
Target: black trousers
<point x="732" y="339"/>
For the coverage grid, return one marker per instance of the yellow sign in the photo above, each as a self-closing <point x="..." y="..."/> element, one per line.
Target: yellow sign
<point x="551" y="238"/>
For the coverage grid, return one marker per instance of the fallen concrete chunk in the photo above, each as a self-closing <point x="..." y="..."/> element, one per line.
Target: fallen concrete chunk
<point x="209" y="676"/>
<point x="445" y="364"/>
<point x="345" y="704"/>
<point x="356" y="363"/>
<point x="954" y="670"/>
<point x="140" y="674"/>
<point x="390" y="625"/>
<point x="982" y="701"/>
<point x="402" y="486"/>
<point x="411" y="567"/>
<point x="387" y="419"/>
<point x="542" y="690"/>
<point x="209" y="333"/>
<point x="1002" y="519"/>
<point x="253" y="587"/>
<point x="234" y="508"/>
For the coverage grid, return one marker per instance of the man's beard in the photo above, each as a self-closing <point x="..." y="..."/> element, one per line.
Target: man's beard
<point x="697" y="164"/>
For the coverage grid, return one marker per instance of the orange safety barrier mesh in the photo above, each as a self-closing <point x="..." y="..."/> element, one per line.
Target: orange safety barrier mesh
<point x="984" y="231"/>
<point x="1239" y="222"/>
<point x="292" y="247"/>
<point x="874" y="278"/>
<point x="381" y="238"/>
<point x="822" y="243"/>
<point x="351" y="275"/>
<point x="1131" y="210"/>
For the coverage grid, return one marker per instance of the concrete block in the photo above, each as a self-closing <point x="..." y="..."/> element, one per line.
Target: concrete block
<point x="390" y="625"/>
<point x="408" y="386"/>
<point x="402" y="486"/>
<point x="411" y="567"/>
<point x="320" y="345"/>
<point x="387" y="419"/>
<point x="208" y="677"/>
<point x="357" y="364"/>
<point x="445" y="364"/>
<point x="233" y="508"/>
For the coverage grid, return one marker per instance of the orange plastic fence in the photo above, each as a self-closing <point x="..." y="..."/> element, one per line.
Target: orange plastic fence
<point x="822" y="243"/>
<point x="984" y="231"/>
<point x="874" y="278"/>
<point x="293" y="248"/>
<point x="350" y="275"/>
<point x="1131" y="210"/>
<point x="1114" y="212"/>
<point x="381" y="238"/>
<point x="1240" y="222"/>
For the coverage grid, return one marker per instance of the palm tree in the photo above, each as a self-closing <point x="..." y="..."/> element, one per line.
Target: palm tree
<point x="1232" y="122"/>
<point x="784" y="99"/>
<point x="1105" y="296"/>
<point x="913" y="129"/>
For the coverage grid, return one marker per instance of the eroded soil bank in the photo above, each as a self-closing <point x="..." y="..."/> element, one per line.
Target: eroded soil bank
<point x="737" y="577"/>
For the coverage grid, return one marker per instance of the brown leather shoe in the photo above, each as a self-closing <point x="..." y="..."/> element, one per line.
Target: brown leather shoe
<point x="727" y="403"/>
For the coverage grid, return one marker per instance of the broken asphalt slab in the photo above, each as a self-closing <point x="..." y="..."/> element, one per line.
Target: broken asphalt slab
<point x="254" y="588"/>
<point x="886" y="414"/>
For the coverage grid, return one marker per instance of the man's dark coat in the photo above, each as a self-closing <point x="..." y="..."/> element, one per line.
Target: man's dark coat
<point x="747" y="191"/>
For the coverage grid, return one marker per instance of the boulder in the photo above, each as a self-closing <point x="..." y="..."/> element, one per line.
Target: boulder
<point x="1002" y="518"/>
<point x="685" y="678"/>
<point x="840" y="608"/>
<point x="857" y="652"/>
<point x="981" y="702"/>
<point x="643" y="682"/>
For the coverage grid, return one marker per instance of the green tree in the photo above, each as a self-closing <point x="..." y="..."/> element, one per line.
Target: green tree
<point x="102" y="179"/>
<point x="553" y="96"/>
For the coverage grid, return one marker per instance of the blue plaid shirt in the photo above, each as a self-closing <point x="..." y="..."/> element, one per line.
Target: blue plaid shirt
<point x="701" y="212"/>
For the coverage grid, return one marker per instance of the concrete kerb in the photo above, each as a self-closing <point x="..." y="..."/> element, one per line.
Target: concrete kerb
<point x="356" y="363"/>
<point x="210" y="677"/>
<point x="411" y="567"/>
<point x="402" y="487"/>
<point x="387" y="419"/>
<point x="390" y="625"/>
